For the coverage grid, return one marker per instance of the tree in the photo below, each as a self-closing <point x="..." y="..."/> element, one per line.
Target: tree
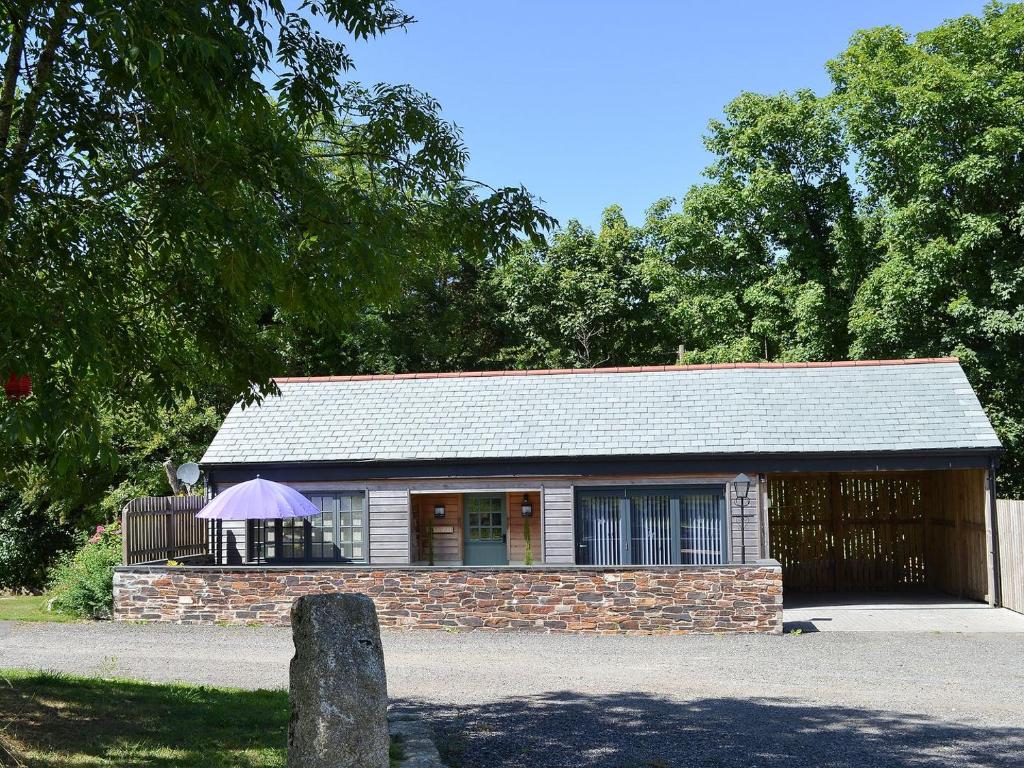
<point x="937" y="125"/>
<point x="584" y="300"/>
<point x="177" y="177"/>
<point x="41" y="510"/>
<point x="447" y="317"/>
<point x="769" y="253"/>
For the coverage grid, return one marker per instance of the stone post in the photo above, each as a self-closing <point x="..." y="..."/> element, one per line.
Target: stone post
<point x="338" y="689"/>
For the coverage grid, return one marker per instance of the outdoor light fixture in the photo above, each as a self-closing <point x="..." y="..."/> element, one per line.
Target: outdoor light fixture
<point x="439" y="510"/>
<point x="741" y="486"/>
<point x="741" y="489"/>
<point x="527" y="506"/>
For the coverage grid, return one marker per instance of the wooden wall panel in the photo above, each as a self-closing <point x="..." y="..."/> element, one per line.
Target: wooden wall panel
<point x="881" y="531"/>
<point x="800" y="531"/>
<point x="447" y="546"/>
<point x="745" y="524"/>
<point x="1011" y="553"/>
<point x="161" y="528"/>
<point x="517" y="525"/>
<point x="389" y="526"/>
<point x="559" y="546"/>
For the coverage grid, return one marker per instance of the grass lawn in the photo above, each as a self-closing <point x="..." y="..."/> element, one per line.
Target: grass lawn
<point x="51" y="720"/>
<point x="28" y="608"/>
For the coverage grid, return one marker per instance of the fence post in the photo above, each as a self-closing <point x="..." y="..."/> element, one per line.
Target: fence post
<point x="169" y="518"/>
<point x="124" y="533"/>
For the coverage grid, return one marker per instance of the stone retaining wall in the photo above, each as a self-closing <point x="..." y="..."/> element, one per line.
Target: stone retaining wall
<point x="677" y="599"/>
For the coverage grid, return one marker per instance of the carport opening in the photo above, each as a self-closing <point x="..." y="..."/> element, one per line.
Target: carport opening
<point x="882" y="532"/>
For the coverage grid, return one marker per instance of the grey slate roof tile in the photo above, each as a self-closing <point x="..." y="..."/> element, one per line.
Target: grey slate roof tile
<point x="926" y="406"/>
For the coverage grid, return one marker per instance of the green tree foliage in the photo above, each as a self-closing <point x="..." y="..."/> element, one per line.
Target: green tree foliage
<point x="937" y="124"/>
<point x="584" y="300"/>
<point x="768" y="254"/>
<point x="446" y="318"/>
<point x="883" y="220"/>
<point x="41" y="510"/>
<point x="176" y="177"/>
<point x="30" y="540"/>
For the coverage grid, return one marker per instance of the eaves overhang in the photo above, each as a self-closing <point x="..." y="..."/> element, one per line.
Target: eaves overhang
<point x="583" y="466"/>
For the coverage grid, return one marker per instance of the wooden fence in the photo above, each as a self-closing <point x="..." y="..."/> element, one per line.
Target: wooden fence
<point x="1011" y="552"/>
<point x="160" y="528"/>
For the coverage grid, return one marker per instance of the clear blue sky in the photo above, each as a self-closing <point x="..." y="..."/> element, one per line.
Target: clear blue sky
<point x="593" y="102"/>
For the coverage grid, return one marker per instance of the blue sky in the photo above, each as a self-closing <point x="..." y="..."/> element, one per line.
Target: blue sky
<point x="594" y="102"/>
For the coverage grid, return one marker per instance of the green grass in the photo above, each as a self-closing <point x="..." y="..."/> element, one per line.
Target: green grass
<point x="50" y="720"/>
<point x="28" y="608"/>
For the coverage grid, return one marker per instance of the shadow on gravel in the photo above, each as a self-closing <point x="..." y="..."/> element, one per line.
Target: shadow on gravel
<point x="563" y="730"/>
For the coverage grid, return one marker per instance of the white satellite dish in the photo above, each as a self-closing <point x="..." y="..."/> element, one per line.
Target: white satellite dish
<point x="189" y="473"/>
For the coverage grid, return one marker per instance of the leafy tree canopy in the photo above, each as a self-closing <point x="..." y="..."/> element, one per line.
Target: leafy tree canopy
<point x="177" y="179"/>
<point x="223" y="234"/>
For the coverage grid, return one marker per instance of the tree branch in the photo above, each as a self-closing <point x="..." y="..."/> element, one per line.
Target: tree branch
<point x="11" y="69"/>
<point x="26" y="125"/>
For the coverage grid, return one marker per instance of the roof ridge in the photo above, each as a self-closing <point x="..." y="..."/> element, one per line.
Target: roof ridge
<point x="620" y="369"/>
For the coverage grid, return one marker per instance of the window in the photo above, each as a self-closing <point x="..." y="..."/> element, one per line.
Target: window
<point x="485" y="518"/>
<point x="650" y="526"/>
<point x="337" y="535"/>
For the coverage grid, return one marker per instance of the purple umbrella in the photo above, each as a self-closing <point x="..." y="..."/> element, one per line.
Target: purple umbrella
<point x="258" y="500"/>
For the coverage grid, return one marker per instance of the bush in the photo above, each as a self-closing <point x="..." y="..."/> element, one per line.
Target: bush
<point x="31" y="540"/>
<point x="82" y="584"/>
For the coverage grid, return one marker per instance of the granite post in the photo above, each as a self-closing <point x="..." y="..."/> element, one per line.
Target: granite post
<point x="338" y="688"/>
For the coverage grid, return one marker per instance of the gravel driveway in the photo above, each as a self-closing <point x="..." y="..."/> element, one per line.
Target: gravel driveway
<point x="553" y="701"/>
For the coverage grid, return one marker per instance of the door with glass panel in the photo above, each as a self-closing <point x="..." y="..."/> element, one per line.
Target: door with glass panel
<point x="484" y="533"/>
<point x="337" y="533"/>
<point x="647" y="525"/>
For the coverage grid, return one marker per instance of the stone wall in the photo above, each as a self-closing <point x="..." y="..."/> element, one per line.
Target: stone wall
<point x="670" y="599"/>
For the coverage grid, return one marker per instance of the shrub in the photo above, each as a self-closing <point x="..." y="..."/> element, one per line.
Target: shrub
<point x="82" y="583"/>
<point x="31" y="540"/>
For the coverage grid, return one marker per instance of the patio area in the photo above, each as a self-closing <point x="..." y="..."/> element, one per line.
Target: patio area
<point x="889" y="612"/>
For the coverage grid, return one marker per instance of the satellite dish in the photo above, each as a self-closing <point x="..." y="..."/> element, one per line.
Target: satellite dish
<point x="189" y="473"/>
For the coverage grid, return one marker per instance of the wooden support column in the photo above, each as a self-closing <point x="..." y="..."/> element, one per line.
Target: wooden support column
<point x="762" y="509"/>
<point x="835" y="503"/>
<point x="958" y="535"/>
<point x="994" y="592"/>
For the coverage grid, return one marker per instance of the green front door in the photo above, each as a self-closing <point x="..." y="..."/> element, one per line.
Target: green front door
<point x="485" y="530"/>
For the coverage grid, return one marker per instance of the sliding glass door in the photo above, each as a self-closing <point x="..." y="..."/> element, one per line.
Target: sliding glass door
<point x="648" y="525"/>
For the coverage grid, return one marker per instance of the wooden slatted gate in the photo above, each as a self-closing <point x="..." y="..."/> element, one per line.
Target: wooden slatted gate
<point x="160" y="528"/>
<point x="880" y="531"/>
<point x="1011" y="552"/>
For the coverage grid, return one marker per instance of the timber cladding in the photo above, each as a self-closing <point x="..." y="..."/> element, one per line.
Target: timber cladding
<point x="881" y="531"/>
<point x="1011" y="553"/>
<point x="657" y="600"/>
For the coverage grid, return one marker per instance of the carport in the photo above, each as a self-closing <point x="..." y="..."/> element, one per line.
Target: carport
<point x="898" y="530"/>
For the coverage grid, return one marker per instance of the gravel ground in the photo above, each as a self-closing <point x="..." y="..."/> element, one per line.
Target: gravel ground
<point x="552" y="701"/>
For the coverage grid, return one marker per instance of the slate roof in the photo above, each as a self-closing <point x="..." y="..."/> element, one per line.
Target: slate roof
<point x="875" y="406"/>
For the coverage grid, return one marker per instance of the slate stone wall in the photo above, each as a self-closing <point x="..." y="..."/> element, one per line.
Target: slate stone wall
<point x="671" y="599"/>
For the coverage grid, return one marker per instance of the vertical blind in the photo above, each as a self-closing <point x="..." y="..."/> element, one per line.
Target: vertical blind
<point x="602" y="524"/>
<point x="701" y="528"/>
<point x="651" y="524"/>
<point x="644" y="526"/>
